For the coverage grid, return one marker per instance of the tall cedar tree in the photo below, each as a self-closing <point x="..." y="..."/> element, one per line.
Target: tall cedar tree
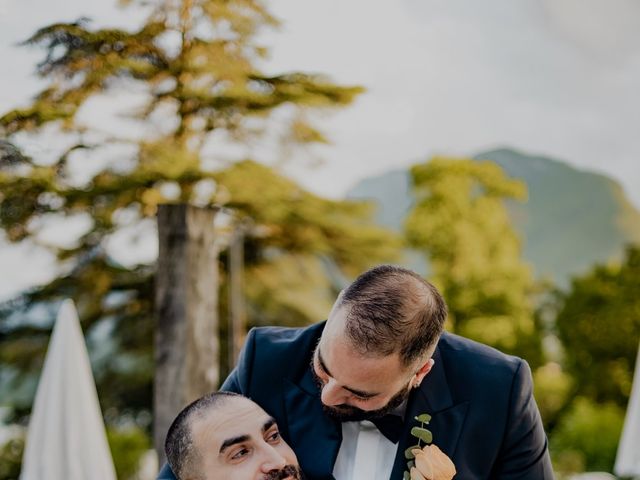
<point x="196" y="64"/>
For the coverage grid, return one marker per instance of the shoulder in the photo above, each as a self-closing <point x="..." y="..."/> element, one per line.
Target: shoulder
<point x="283" y="348"/>
<point x="480" y="365"/>
<point x="461" y="347"/>
<point x="283" y="339"/>
<point x="283" y="336"/>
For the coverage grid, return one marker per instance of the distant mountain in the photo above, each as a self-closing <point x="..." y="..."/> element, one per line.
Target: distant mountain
<point x="571" y="220"/>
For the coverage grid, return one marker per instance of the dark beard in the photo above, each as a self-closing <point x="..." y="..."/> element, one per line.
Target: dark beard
<point x="288" y="471"/>
<point x="349" y="413"/>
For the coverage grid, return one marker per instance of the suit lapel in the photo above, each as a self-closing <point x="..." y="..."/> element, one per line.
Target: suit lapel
<point x="433" y="397"/>
<point x="314" y="436"/>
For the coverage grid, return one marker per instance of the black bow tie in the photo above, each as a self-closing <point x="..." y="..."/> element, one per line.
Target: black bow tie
<point x="390" y="426"/>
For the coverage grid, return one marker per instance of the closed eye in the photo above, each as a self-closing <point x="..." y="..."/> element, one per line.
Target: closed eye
<point x="361" y="398"/>
<point x="359" y="395"/>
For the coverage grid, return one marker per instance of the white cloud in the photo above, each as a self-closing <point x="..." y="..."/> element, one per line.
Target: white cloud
<point x="5" y="7"/>
<point x="608" y="28"/>
<point x="460" y="76"/>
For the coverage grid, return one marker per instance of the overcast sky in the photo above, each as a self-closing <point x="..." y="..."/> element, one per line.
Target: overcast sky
<point x="553" y="77"/>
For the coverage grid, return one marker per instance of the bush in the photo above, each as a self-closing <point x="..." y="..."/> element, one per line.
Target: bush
<point x="551" y="387"/>
<point x="11" y="459"/>
<point x="586" y="437"/>
<point x="128" y="445"/>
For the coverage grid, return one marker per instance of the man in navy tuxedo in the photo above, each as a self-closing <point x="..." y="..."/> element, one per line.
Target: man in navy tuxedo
<point x="346" y="392"/>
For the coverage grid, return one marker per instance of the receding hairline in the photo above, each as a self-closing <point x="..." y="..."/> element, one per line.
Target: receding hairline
<point x="414" y="283"/>
<point x="420" y="294"/>
<point x="344" y="336"/>
<point x="409" y="301"/>
<point x="217" y="411"/>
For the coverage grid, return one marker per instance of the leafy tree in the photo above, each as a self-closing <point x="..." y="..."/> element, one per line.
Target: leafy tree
<point x="461" y="223"/>
<point x="587" y="437"/>
<point x="552" y="390"/>
<point x="128" y="445"/>
<point x="599" y="326"/>
<point x="11" y="458"/>
<point x="195" y="64"/>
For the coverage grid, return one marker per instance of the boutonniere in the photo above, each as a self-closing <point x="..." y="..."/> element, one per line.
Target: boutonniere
<point x="424" y="437"/>
<point x="427" y="462"/>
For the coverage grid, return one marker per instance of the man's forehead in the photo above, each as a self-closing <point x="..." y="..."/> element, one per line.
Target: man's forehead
<point x="238" y="416"/>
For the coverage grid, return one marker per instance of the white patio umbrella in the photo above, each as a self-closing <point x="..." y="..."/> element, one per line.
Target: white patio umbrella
<point x="66" y="438"/>
<point x="628" y="457"/>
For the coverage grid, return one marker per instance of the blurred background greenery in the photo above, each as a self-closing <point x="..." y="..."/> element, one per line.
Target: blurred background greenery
<point x="534" y="257"/>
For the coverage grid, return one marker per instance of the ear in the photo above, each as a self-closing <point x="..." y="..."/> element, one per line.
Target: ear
<point x="422" y="372"/>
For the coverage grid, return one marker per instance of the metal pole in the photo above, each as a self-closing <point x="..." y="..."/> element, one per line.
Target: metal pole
<point x="237" y="313"/>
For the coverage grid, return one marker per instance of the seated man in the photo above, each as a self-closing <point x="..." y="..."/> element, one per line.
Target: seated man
<point x="224" y="435"/>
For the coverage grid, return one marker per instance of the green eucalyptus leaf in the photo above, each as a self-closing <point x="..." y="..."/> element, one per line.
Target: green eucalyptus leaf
<point x="423" y="418"/>
<point x="406" y="476"/>
<point x="422" y="433"/>
<point x="411" y="464"/>
<point x="407" y="453"/>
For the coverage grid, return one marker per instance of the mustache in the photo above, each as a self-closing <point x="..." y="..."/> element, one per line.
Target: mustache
<point x="288" y="471"/>
<point x="339" y="412"/>
<point x="349" y="413"/>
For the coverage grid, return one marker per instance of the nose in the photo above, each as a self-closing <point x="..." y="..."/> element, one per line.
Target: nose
<point x="332" y="394"/>
<point x="272" y="460"/>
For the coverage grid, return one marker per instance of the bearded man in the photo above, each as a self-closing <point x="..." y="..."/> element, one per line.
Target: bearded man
<point x="346" y="392"/>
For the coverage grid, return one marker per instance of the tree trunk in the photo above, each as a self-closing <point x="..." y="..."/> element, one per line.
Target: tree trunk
<point x="186" y="303"/>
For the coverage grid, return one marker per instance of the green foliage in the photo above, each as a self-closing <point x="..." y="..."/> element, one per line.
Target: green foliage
<point x="196" y="66"/>
<point x="598" y="322"/>
<point x="572" y="218"/>
<point x="423" y="434"/>
<point x="211" y="79"/>
<point x="552" y="390"/>
<point x="423" y="418"/>
<point x="294" y="221"/>
<point x="587" y="437"/>
<point x="288" y="290"/>
<point x="11" y="459"/>
<point x="127" y="445"/>
<point x="599" y="325"/>
<point x="461" y="224"/>
<point x="408" y="453"/>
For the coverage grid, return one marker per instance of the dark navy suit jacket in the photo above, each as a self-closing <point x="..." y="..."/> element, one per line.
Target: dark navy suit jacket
<point x="483" y="413"/>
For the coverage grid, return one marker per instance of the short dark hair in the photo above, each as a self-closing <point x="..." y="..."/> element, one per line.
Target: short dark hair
<point x="178" y="446"/>
<point x="393" y="310"/>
